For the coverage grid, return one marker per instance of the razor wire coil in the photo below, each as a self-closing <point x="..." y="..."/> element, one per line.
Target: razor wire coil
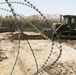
<point x="31" y="5"/>
<point x="50" y="52"/>
<point x="40" y="33"/>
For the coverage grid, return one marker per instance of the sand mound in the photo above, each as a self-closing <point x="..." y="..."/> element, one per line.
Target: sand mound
<point x="26" y="63"/>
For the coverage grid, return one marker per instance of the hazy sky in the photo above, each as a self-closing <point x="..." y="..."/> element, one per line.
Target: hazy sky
<point x="45" y="6"/>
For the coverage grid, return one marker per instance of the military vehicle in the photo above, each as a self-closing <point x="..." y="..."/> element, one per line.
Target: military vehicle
<point x="66" y="29"/>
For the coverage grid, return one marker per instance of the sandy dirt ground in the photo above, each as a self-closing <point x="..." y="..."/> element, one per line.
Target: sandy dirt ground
<point x="66" y="65"/>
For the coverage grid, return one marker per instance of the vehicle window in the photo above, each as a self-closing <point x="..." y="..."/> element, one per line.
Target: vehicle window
<point x="66" y="20"/>
<point x="72" y="20"/>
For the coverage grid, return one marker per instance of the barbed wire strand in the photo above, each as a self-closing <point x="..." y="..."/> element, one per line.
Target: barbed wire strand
<point x="13" y="12"/>
<point x="33" y="56"/>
